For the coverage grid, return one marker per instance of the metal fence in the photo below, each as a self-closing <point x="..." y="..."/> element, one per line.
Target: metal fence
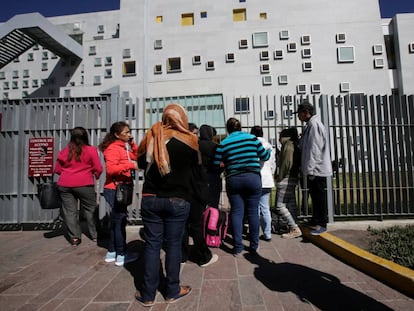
<point x="371" y="137"/>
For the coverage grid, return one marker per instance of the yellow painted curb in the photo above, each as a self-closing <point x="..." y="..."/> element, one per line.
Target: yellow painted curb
<point x="392" y="274"/>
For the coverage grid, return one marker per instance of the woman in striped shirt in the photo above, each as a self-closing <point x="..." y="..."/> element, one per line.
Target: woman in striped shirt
<point x="240" y="153"/>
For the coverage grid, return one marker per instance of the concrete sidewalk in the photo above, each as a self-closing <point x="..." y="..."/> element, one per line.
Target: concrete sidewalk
<point x="38" y="273"/>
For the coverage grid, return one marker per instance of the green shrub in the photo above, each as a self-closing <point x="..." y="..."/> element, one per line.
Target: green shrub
<point x="394" y="243"/>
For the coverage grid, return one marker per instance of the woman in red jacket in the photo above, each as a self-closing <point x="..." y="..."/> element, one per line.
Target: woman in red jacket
<point x="77" y="165"/>
<point x="120" y="154"/>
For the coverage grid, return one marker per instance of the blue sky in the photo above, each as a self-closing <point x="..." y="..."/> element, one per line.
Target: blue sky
<point x="66" y="7"/>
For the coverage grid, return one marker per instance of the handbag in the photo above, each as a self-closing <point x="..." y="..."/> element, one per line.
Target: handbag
<point x="123" y="193"/>
<point x="49" y="195"/>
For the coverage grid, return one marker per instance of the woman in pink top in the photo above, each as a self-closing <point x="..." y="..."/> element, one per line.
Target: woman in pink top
<point x="78" y="164"/>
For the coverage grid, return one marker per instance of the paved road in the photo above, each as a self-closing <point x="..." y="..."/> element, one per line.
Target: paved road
<point x="38" y="273"/>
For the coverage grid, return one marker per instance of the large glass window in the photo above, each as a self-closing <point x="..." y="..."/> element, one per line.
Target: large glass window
<point x="187" y="19"/>
<point x="260" y="39"/>
<point x="174" y="64"/>
<point x="129" y="69"/>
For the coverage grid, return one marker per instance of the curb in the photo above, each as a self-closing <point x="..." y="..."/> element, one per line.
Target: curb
<point x="392" y="274"/>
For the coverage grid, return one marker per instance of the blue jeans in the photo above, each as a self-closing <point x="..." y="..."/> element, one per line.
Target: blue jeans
<point x="244" y="191"/>
<point x="264" y="213"/>
<point x="117" y="234"/>
<point x="164" y="221"/>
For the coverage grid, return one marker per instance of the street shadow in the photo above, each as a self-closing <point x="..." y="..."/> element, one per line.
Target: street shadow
<point x="323" y="290"/>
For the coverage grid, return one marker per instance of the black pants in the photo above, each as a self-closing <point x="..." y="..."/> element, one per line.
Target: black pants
<point x="318" y="193"/>
<point x="194" y="228"/>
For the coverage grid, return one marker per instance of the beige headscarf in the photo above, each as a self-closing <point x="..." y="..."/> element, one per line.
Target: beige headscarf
<point x="174" y="124"/>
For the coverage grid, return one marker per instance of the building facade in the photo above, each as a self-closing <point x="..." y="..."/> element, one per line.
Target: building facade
<point x="221" y="52"/>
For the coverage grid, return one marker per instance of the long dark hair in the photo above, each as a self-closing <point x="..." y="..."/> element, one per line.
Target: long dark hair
<point x="78" y="138"/>
<point x="109" y="138"/>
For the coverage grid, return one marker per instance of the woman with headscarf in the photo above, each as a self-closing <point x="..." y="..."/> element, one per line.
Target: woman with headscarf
<point x="168" y="154"/>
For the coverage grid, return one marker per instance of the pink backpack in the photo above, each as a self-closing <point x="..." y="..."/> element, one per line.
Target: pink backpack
<point x="214" y="226"/>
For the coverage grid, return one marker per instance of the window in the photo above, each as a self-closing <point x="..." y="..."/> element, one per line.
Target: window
<point x="291" y="47"/>
<point x="129" y="69"/>
<point x="283" y="79"/>
<point x="306" y="53"/>
<point x="158" y="19"/>
<point x="15" y="74"/>
<point x="269" y="115"/>
<point x="267" y="80"/>
<point x="288" y="99"/>
<point x="230" y="58"/>
<point x="239" y="15"/>
<point x="35" y="83"/>
<point x="2" y="75"/>
<point x="377" y="49"/>
<point x="346" y="54"/>
<point x="260" y="39"/>
<point x="340" y="37"/>
<point x="53" y="55"/>
<point x="243" y="44"/>
<point x="101" y="29"/>
<point x="196" y="60"/>
<point x="210" y="65"/>
<point x="263" y="16"/>
<point x="126" y="53"/>
<point x="278" y="54"/>
<point x="44" y="66"/>
<point x="97" y="80"/>
<point x="284" y="35"/>
<point x="26" y="73"/>
<point x="158" y="44"/>
<point x="108" y="61"/>
<point x="264" y="55"/>
<point x="203" y="14"/>
<point x="241" y="105"/>
<point x="25" y="84"/>
<point x="157" y="69"/>
<point x="6" y="85"/>
<point x="92" y="50"/>
<point x="264" y="68"/>
<point x="15" y="85"/>
<point x="108" y="73"/>
<point x="66" y="93"/>
<point x="30" y="57"/>
<point x="411" y="47"/>
<point x="98" y="62"/>
<point x="344" y="87"/>
<point x="379" y="63"/>
<point x="36" y="47"/>
<point x="25" y="94"/>
<point x="288" y="114"/>
<point x="174" y="64"/>
<point x="307" y="66"/>
<point x="5" y="95"/>
<point x="301" y="88"/>
<point x="315" y="88"/>
<point x="305" y="39"/>
<point x="16" y="60"/>
<point x="187" y="19"/>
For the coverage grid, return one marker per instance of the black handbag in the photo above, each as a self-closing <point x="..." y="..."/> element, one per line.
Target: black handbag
<point x="49" y="195"/>
<point x="123" y="193"/>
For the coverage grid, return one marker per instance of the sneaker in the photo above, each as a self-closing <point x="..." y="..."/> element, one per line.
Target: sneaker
<point x="120" y="259"/>
<point x="110" y="257"/>
<point x="184" y="291"/>
<point x="263" y="238"/>
<point x="293" y="233"/>
<point x="213" y="259"/>
<point x="148" y="303"/>
<point x="318" y="230"/>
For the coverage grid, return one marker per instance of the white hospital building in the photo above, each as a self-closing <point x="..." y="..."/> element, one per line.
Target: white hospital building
<point x="216" y="50"/>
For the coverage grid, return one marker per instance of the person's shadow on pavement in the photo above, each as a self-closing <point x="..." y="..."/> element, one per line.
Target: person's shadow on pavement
<point x="318" y="288"/>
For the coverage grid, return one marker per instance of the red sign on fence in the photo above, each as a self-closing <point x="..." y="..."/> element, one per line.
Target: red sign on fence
<point x="41" y="157"/>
